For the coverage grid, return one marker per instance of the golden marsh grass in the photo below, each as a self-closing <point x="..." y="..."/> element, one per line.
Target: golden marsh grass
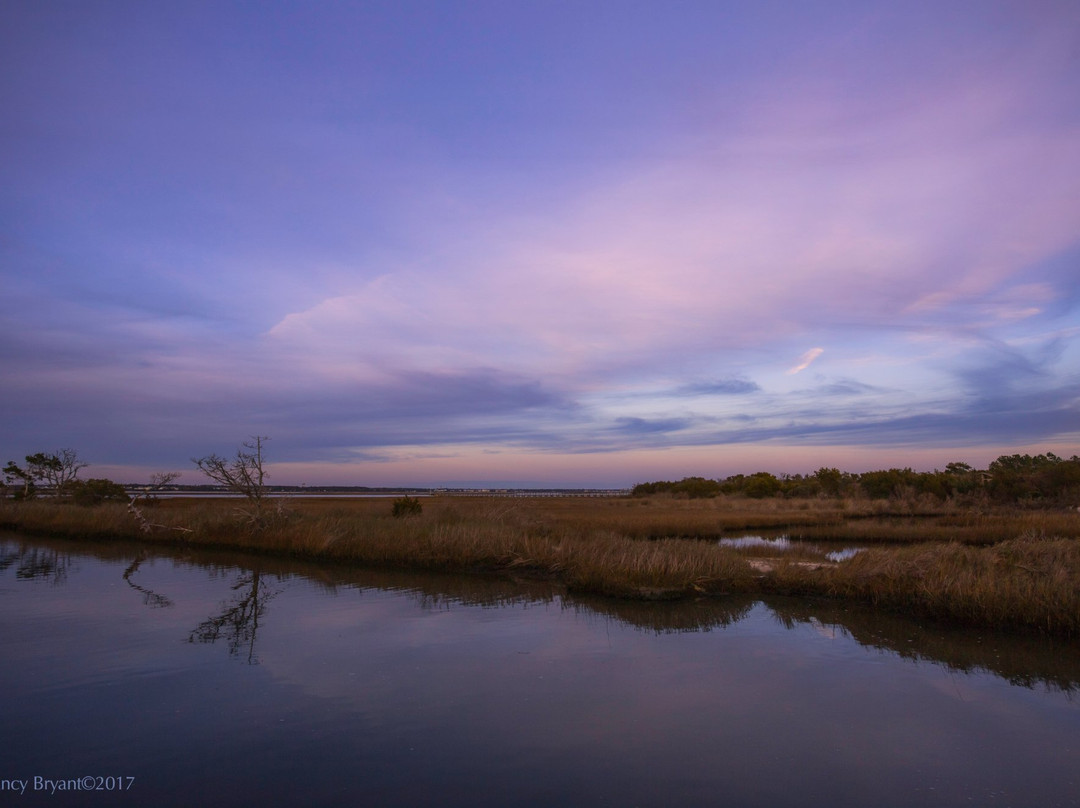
<point x="1018" y="570"/>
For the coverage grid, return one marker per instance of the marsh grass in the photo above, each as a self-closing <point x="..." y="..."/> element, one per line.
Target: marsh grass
<point x="1028" y="579"/>
<point x="1029" y="582"/>
<point x="975" y="529"/>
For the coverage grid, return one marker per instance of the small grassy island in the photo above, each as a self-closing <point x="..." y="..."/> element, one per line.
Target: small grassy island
<point x="996" y="549"/>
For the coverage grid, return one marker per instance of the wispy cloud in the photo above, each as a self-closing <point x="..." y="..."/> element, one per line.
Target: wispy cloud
<point x="806" y="360"/>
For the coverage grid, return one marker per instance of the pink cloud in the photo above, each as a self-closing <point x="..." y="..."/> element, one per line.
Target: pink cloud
<point x="806" y="360"/>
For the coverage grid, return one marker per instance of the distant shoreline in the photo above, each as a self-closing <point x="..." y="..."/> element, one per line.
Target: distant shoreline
<point x="345" y="491"/>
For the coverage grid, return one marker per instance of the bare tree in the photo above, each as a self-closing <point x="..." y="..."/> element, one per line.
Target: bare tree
<point x="158" y="481"/>
<point x="62" y="470"/>
<point x="148" y="496"/>
<point x="245" y="474"/>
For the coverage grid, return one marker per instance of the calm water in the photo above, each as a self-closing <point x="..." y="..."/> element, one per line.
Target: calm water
<point x="220" y="679"/>
<point x="832" y="550"/>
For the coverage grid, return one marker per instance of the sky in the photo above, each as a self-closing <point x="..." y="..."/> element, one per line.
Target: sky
<point x="539" y="243"/>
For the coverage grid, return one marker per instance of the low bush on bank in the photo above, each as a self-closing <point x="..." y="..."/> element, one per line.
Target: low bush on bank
<point x="405" y="507"/>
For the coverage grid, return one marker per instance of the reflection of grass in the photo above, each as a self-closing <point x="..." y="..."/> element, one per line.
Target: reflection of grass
<point x="1021" y="659"/>
<point x="619" y="547"/>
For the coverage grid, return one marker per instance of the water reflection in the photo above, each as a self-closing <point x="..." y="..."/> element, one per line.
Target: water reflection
<point x="36" y="562"/>
<point x="1027" y="661"/>
<point x="238" y="622"/>
<point x="668" y="618"/>
<point x="150" y="598"/>
<point x="784" y="544"/>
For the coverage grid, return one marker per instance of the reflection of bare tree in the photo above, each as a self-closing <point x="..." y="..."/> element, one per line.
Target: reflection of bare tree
<point x="239" y="622"/>
<point x="37" y="563"/>
<point x="150" y="598"/>
<point x="8" y="557"/>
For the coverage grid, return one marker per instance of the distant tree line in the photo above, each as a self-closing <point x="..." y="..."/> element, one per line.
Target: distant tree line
<point x="1009" y="479"/>
<point x="1044" y="478"/>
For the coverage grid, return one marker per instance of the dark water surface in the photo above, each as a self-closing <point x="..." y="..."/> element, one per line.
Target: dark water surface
<point x="237" y="680"/>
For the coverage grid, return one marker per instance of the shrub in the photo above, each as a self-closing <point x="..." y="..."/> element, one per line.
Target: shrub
<point x="95" y="491"/>
<point x="761" y="485"/>
<point x="831" y="481"/>
<point x="407" y="506"/>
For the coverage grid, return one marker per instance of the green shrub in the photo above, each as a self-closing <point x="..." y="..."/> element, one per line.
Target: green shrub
<point x="95" y="491"/>
<point x="761" y="485"/>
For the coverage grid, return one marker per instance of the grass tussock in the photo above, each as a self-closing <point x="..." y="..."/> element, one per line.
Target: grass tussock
<point x="1030" y="583"/>
<point x="1028" y="578"/>
<point x="966" y="528"/>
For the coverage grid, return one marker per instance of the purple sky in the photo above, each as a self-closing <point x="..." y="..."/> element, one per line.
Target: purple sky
<point x="580" y="243"/>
